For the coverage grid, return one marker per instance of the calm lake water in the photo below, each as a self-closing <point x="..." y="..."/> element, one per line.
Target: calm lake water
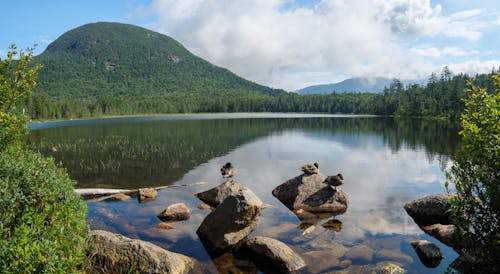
<point x="385" y="163"/>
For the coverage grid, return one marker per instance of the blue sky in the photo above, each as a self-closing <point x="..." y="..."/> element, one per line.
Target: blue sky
<point x="289" y="44"/>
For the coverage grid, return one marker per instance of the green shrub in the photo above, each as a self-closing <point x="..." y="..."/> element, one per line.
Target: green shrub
<point x="42" y="221"/>
<point x="476" y="176"/>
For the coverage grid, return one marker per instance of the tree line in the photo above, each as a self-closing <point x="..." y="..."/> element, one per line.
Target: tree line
<point x="440" y="97"/>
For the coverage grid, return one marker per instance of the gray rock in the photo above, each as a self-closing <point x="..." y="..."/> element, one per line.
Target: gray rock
<point x="360" y="254"/>
<point x="428" y="253"/>
<point x="232" y="221"/>
<point x="215" y="196"/>
<point x="430" y="209"/>
<point x="271" y="255"/>
<point x="147" y="195"/>
<point x="114" y="253"/>
<point x="309" y="192"/>
<point x="175" y="212"/>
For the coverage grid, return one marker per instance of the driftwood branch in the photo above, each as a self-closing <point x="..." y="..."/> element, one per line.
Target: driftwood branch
<point x="101" y="194"/>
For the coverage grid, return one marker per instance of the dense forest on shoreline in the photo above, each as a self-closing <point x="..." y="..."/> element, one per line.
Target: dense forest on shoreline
<point x="108" y="69"/>
<point x="440" y="97"/>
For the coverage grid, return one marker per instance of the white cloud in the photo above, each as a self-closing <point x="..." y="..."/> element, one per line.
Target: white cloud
<point x="433" y="52"/>
<point x="475" y="66"/>
<point x="265" y="42"/>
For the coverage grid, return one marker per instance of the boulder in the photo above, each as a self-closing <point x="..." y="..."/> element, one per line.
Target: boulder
<point x="428" y="253"/>
<point x="309" y="192"/>
<point x="430" y="209"/>
<point x="232" y="221"/>
<point x="175" y="212"/>
<point x="445" y="234"/>
<point x="272" y="256"/>
<point x="114" y="253"/>
<point x="215" y="196"/>
<point x="147" y="195"/>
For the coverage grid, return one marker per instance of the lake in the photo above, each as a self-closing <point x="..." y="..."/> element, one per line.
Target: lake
<point x="385" y="162"/>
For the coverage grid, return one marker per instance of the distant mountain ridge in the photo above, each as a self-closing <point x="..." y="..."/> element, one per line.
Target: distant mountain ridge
<point x="127" y="62"/>
<point x="358" y="84"/>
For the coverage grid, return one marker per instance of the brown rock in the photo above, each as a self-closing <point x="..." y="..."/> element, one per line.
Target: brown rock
<point x="114" y="253"/>
<point x="320" y="260"/>
<point x="164" y="226"/>
<point x="445" y="234"/>
<point x="309" y="192"/>
<point x="147" y="195"/>
<point x="215" y="196"/>
<point x="271" y="255"/>
<point x="175" y="212"/>
<point x="360" y="254"/>
<point x="204" y="206"/>
<point x="232" y="221"/>
<point x="118" y="197"/>
<point x="430" y="210"/>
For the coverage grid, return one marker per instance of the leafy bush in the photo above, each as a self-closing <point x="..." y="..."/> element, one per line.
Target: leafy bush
<point x="42" y="221"/>
<point x="476" y="176"/>
<point x="42" y="227"/>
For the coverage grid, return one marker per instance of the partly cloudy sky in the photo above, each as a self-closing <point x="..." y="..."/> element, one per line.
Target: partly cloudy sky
<point x="291" y="44"/>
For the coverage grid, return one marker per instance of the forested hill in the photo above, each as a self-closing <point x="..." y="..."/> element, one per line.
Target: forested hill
<point x="114" y="61"/>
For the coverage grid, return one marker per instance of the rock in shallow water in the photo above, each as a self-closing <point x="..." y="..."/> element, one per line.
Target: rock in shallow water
<point x="430" y="210"/>
<point x="232" y="221"/>
<point x="428" y="253"/>
<point x="114" y="253"/>
<point x="147" y="195"/>
<point x="272" y="256"/>
<point x="309" y="192"/>
<point x="215" y="196"/>
<point x="175" y="212"/>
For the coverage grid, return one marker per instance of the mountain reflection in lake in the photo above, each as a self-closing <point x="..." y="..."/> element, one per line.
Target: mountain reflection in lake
<point x="385" y="163"/>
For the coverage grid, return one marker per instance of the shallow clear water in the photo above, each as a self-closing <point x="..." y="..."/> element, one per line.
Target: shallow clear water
<point x="385" y="163"/>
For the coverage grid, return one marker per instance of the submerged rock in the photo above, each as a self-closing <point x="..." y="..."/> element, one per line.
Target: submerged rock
<point x="309" y="192"/>
<point x="215" y="196"/>
<point x="164" y="226"/>
<point x="320" y="260"/>
<point x="272" y="256"/>
<point x="175" y="212"/>
<point x="360" y="254"/>
<point x="114" y="253"/>
<point x="428" y="253"/>
<point x="147" y="195"/>
<point x="232" y="221"/>
<point x="118" y="197"/>
<point x="430" y="210"/>
<point x="390" y="255"/>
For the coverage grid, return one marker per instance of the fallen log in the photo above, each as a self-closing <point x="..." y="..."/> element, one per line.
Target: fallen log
<point x="101" y="194"/>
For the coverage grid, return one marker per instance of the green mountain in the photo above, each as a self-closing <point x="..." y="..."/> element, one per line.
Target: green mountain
<point x="114" y="61"/>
